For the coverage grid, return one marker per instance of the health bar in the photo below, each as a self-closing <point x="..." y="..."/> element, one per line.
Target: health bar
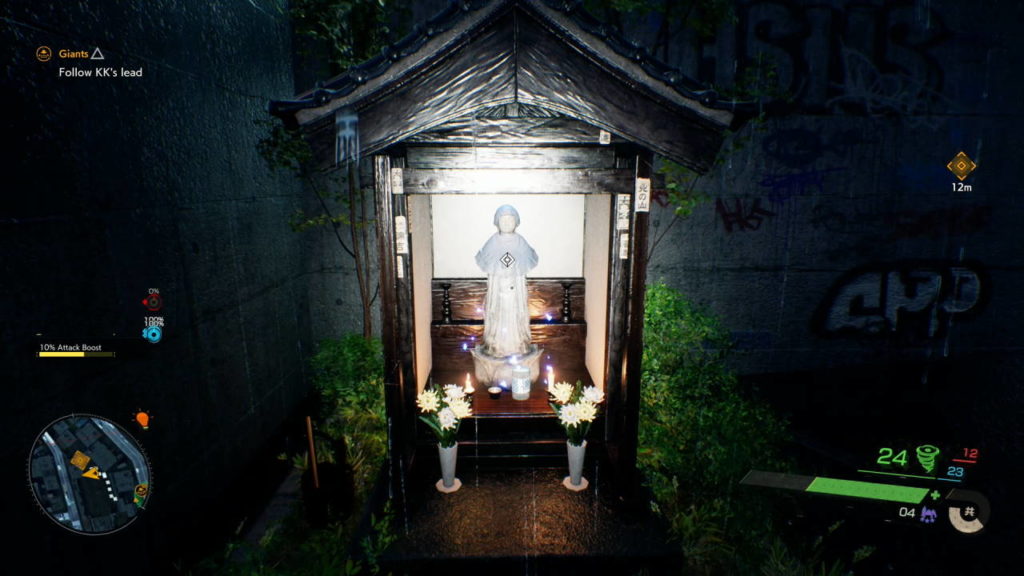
<point x="837" y="487"/>
<point x="75" y="354"/>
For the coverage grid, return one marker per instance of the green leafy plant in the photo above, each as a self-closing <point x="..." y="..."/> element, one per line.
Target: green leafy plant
<point x="700" y="433"/>
<point x="675" y="18"/>
<point x="789" y="560"/>
<point x="348" y="375"/>
<point x="343" y="202"/>
<point x="758" y="81"/>
<point x="680" y="184"/>
<point x="345" y="33"/>
<point x="381" y="536"/>
<point x="350" y="31"/>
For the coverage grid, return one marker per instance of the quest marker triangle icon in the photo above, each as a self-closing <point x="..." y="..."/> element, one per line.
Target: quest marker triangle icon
<point x="97" y="55"/>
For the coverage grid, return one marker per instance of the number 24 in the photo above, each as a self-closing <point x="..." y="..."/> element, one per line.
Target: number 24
<point x="885" y="457"/>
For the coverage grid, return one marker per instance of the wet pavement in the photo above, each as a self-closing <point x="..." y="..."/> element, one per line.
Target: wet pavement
<point x="523" y="521"/>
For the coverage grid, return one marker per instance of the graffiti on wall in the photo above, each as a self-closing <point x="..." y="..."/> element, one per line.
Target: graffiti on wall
<point x="780" y="188"/>
<point x="946" y="222"/>
<point x="866" y="57"/>
<point x="867" y="89"/>
<point x="913" y="299"/>
<point x="798" y="147"/>
<point x="938" y="223"/>
<point x="742" y="214"/>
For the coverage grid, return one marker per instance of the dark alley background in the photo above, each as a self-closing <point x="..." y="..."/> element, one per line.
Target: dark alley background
<point x="867" y="297"/>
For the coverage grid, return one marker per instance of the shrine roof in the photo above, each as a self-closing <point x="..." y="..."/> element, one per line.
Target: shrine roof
<point x="549" y="54"/>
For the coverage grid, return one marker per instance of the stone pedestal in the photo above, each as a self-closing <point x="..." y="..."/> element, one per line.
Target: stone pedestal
<point x="492" y="370"/>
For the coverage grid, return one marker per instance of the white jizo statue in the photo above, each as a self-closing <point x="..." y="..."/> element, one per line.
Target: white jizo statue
<point x="506" y="257"/>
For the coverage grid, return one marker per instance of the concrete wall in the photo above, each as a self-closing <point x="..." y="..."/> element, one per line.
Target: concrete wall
<point x="867" y="297"/>
<point x="846" y="183"/>
<point x="122" y="184"/>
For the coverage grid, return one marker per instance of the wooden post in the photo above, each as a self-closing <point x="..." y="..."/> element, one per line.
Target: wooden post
<point x="405" y="323"/>
<point x="618" y="294"/>
<point x="400" y="439"/>
<point x="631" y="377"/>
<point x="312" y="453"/>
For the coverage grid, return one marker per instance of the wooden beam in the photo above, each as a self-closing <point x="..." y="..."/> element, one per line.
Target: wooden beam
<point x="538" y="181"/>
<point x="399" y="380"/>
<point x="618" y="294"/>
<point x="405" y="322"/>
<point x="393" y="381"/>
<point x="631" y="377"/>
<point x="467" y="297"/>
<point x="517" y="131"/>
<point x="447" y="157"/>
<point x="563" y="346"/>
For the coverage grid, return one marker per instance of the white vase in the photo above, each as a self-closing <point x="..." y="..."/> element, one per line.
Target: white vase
<point x="448" y="482"/>
<point x="575" y="480"/>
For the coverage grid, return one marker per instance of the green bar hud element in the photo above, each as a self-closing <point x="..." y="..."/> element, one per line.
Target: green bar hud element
<point x="777" y="480"/>
<point x="869" y="490"/>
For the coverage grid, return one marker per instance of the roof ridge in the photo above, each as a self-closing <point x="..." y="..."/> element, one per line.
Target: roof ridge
<point x="457" y="10"/>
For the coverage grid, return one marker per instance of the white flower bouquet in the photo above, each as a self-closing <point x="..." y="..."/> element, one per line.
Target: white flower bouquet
<point x="443" y="411"/>
<point x="576" y="407"/>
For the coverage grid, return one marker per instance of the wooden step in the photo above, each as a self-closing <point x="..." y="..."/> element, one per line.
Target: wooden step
<point x="533" y="441"/>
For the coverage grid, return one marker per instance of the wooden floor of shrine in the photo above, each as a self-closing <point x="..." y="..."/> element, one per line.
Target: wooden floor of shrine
<point x="521" y="520"/>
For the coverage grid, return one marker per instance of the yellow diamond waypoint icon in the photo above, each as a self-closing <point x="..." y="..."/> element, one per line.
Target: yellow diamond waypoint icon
<point x="961" y="166"/>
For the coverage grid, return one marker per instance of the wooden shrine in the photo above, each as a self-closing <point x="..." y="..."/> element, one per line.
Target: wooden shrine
<point x="537" y="102"/>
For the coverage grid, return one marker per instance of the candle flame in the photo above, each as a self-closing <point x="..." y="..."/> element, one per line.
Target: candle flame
<point x="469" y="385"/>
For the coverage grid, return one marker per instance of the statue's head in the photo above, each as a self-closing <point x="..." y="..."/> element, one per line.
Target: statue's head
<point x="506" y="218"/>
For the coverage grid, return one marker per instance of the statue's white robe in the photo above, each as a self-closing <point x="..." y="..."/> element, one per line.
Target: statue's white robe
<point x="506" y="309"/>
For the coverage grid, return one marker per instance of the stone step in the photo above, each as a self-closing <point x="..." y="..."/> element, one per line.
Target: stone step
<point x="511" y="430"/>
<point x="541" y="449"/>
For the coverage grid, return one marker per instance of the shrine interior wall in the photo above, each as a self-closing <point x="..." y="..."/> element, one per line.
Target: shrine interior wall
<point x="595" y="271"/>
<point x="422" y="271"/>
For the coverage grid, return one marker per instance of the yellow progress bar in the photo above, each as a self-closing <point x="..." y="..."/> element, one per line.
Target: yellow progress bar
<point x="76" y="354"/>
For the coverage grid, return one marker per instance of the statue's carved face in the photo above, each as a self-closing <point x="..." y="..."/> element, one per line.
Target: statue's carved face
<point x="507" y="223"/>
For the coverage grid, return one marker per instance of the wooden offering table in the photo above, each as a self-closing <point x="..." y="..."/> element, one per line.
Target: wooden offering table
<point x="537" y="405"/>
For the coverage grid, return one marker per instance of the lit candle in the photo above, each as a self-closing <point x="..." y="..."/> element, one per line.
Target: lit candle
<point x="469" y="385"/>
<point x="551" y="376"/>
